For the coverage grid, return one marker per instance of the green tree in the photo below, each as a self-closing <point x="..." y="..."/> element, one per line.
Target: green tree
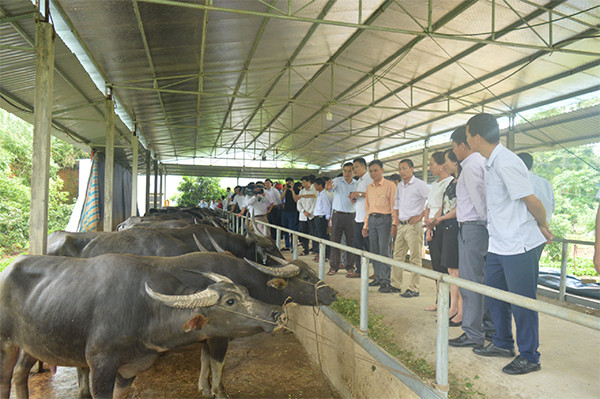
<point x="192" y="189"/>
<point x="16" y="141"/>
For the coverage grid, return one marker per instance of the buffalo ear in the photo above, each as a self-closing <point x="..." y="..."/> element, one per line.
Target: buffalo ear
<point x="195" y="323"/>
<point x="277" y="283"/>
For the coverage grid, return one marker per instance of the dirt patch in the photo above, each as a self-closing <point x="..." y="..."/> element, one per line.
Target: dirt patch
<point x="260" y="366"/>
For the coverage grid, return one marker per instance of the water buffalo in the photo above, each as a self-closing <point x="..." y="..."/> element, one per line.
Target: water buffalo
<point x="65" y="243"/>
<point x="115" y="314"/>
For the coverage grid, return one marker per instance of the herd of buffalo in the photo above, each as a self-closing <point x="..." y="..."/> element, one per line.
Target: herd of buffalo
<point x="110" y="303"/>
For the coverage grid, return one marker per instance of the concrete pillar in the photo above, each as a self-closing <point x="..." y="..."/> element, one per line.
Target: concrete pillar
<point x="510" y="137"/>
<point x="109" y="163"/>
<point x="148" y="160"/>
<point x="42" y="125"/>
<point x="155" y="184"/>
<point x="134" y="174"/>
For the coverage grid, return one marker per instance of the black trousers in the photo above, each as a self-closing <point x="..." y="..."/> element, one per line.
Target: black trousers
<point x="320" y="225"/>
<point x="307" y="227"/>
<point x="359" y="242"/>
<point x="342" y="224"/>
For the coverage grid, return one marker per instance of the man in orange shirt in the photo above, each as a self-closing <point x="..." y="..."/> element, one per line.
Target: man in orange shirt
<point x="379" y="227"/>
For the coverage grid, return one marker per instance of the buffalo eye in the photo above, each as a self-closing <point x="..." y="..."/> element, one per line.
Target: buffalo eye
<point x="230" y="302"/>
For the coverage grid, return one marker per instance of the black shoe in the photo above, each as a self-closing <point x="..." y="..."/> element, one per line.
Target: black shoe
<point x="374" y="283"/>
<point x="462" y="342"/>
<point x="520" y="365"/>
<point x="493" y="351"/>
<point x="389" y="289"/>
<point x="409" y="294"/>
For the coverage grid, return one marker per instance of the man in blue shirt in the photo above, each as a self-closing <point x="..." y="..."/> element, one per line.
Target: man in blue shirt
<point x="518" y="229"/>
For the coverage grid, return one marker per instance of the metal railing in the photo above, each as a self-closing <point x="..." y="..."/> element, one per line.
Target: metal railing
<point x="443" y="290"/>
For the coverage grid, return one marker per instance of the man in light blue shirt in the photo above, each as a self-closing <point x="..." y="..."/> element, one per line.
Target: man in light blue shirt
<point x="322" y="212"/>
<point x="342" y="219"/>
<point x="518" y="228"/>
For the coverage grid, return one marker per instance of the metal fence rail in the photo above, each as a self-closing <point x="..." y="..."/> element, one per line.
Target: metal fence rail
<point x="238" y="222"/>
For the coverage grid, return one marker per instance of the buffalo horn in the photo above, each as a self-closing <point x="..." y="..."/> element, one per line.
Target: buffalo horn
<point x="287" y="271"/>
<point x="213" y="242"/>
<point x="200" y="299"/>
<point x="278" y="259"/>
<point x="217" y="278"/>
<point x="199" y="244"/>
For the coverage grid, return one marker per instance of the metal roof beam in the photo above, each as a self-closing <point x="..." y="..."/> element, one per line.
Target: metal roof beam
<point x="548" y="49"/>
<point x="201" y="76"/>
<point x="441" y="66"/>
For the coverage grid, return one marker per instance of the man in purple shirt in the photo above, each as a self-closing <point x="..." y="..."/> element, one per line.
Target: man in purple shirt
<point x="471" y="214"/>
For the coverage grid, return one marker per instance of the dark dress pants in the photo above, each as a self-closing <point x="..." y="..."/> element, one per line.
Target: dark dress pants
<point x="359" y="242"/>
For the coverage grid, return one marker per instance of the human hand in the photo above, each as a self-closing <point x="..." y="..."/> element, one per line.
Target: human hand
<point x="547" y="233"/>
<point x="353" y="195"/>
<point x="413" y="220"/>
<point x="365" y="232"/>
<point x="394" y="230"/>
<point x="428" y="235"/>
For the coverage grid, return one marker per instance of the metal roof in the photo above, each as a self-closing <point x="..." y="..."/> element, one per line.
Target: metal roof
<point x="228" y="86"/>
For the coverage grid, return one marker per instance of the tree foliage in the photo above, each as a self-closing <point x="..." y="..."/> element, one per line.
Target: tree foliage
<point x="192" y="189"/>
<point x="16" y="141"/>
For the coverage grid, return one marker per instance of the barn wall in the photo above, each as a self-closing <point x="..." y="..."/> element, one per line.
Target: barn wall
<point x="355" y="366"/>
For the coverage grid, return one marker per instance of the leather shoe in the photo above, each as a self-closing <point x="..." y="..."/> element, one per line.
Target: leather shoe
<point x="520" y="365"/>
<point x="409" y="294"/>
<point x="462" y="342"/>
<point x="374" y="283"/>
<point x="353" y="275"/>
<point x="389" y="289"/>
<point x="493" y="351"/>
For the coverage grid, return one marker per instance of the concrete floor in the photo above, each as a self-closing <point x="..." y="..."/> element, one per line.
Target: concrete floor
<point x="570" y="354"/>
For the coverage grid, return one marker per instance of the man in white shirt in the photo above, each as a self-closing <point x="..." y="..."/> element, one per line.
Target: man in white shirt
<point x="257" y="204"/>
<point x="273" y="213"/>
<point x="342" y="219"/>
<point x="237" y="200"/>
<point x="471" y="214"/>
<point x="541" y="187"/>
<point x="359" y="242"/>
<point x="306" y="201"/>
<point x="409" y="208"/>
<point x="518" y="229"/>
<point x="322" y="211"/>
<point x="202" y="204"/>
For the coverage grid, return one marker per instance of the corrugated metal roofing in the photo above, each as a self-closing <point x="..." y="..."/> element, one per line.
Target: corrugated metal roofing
<point x="231" y="83"/>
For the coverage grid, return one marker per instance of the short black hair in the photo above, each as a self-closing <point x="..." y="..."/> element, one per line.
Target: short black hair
<point x="269" y="180"/>
<point x="438" y="157"/>
<point x="376" y="162"/>
<point x="451" y="155"/>
<point x="527" y="159"/>
<point x="361" y="161"/>
<point x="236" y="187"/>
<point x="305" y="178"/>
<point x="312" y="178"/>
<point x="486" y="126"/>
<point x="459" y="136"/>
<point x="395" y="177"/>
<point x="348" y="164"/>
<point x="287" y="179"/>
<point x="320" y="181"/>
<point x="408" y="162"/>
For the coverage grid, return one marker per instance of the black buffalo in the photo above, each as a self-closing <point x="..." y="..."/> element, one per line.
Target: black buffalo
<point x="114" y="314"/>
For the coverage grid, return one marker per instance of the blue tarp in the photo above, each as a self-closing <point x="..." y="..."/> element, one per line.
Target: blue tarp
<point x="550" y="277"/>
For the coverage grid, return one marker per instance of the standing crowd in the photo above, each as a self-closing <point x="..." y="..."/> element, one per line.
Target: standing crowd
<point x="485" y="219"/>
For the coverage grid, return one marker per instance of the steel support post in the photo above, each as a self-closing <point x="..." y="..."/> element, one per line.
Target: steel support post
<point x="364" y="293"/>
<point x="278" y="239"/>
<point x="425" y="161"/>
<point x="42" y="125"/>
<point x="160" y="193"/>
<point x="155" y="184"/>
<point x="564" y="258"/>
<point x="441" y="371"/>
<point x="134" y="174"/>
<point x="148" y="160"/>
<point x="294" y="246"/>
<point x="322" y="249"/>
<point x="109" y="163"/>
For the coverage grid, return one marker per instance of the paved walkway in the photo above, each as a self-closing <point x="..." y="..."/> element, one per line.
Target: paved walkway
<point x="570" y="354"/>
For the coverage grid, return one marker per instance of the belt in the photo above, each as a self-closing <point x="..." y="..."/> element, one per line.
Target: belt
<point x="403" y="222"/>
<point x="473" y="222"/>
<point x="377" y="215"/>
<point x="345" y="213"/>
<point x="320" y="216"/>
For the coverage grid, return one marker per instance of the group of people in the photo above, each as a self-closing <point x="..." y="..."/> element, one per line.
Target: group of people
<point x="485" y="219"/>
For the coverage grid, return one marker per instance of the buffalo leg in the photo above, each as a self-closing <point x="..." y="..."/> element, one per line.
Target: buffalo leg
<point x="122" y="386"/>
<point x="218" y="350"/>
<point x="203" y="383"/>
<point x="8" y="358"/>
<point x="83" y="379"/>
<point x="21" y="373"/>
<point x="103" y="373"/>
